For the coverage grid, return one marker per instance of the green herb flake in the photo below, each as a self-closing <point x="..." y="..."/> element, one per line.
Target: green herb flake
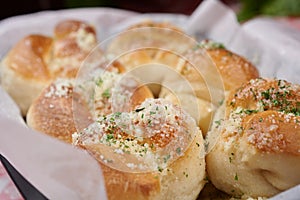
<point x="209" y="44"/>
<point x="276" y="102"/>
<point x="178" y="150"/>
<point x="109" y="137"/>
<point x="118" y="114"/>
<point x="236" y="177"/>
<point x="99" y="82"/>
<point x="106" y="93"/>
<point x="139" y="109"/>
<point x="166" y="158"/>
<point x="266" y="94"/>
<point x="249" y="112"/>
<point x="218" y="122"/>
<point x="159" y="169"/>
<point x="152" y="112"/>
<point x="221" y="102"/>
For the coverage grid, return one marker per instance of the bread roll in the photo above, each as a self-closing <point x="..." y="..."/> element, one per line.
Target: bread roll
<point x="62" y="108"/>
<point x="149" y="34"/>
<point x="209" y="68"/>
<point x="153" y="152"/>
<point x="257" y="132"/>
<point x="37" y="60"/>
<point x="234" y="69"/>
<point x="24" y="71"/>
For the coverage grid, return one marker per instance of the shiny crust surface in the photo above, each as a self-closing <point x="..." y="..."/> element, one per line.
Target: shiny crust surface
<point x="235" y="70"/>
<point x="28" y="57"/>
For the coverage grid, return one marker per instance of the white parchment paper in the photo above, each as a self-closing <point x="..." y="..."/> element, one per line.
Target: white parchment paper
<point x="274" y="48"/>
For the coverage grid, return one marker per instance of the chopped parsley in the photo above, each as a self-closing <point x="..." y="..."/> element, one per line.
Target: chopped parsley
<point x="99" y="82"/>
<point x="249" y="111"/>
<point x="221" y="102"/>
<point x="118" y="114"/>
<point x="236" y="177"/>
<point x="218" y="122"/>
<point x="266" y="94"/>
<point x="209" y="44"/>
<point x="109" y="137"/>
<point x="106" y="93"/>
<point x="178" y="150"/>
<point x="139" y="109"/>
<point x="152" y="112"/>
<point x="166" y="158"/>
<point x="159" y="169"/>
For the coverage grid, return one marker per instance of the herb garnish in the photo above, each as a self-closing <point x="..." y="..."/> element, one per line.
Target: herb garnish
<point x="106" y="93"/>
<point x="139" y="109"/>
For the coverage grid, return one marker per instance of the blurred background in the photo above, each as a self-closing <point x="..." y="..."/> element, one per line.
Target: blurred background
<point x="245" y="9"/>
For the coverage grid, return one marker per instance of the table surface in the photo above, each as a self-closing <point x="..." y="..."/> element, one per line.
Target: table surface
<point x="8" y="191"/>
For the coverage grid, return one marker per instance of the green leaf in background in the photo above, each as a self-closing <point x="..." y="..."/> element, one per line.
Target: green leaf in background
<point x="282" y="8"/>
<point x="252" y="8"/>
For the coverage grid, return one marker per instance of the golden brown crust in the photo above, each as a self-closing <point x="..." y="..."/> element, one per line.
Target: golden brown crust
<point x="65" y="28"/>
<point x="37" y="60"/>
<point x="123" y="185"/>
<point x="139" y="95"/>
<point x="27" y="58"/>
<point x="273" y="132"/>
<point x="53" y="114"/>
<point x="73" y="42"/>
<point x="235" y="69"/>
<point x="154" y="185"/>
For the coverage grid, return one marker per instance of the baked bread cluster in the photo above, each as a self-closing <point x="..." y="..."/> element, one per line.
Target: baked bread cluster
<point x="160" y="112"/>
